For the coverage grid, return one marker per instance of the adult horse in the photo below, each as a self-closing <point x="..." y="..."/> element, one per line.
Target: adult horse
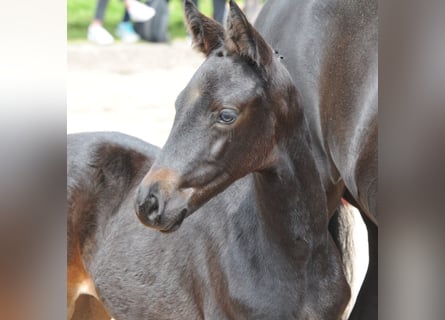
<point x="238" y="157"/>
<point x="330" y="50"/>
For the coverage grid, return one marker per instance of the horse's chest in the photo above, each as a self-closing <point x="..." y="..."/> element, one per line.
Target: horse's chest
<point x="249" y="291"/>
<point x="266" y="303"/>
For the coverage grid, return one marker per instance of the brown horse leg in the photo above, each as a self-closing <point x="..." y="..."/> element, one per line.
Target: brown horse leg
<point x="88" y="307"/>
<point x="78" y="281"/>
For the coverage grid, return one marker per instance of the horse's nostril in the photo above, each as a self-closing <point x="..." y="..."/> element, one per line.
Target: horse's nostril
<point x="148" y="207"/>
<point x="153" y="204"/>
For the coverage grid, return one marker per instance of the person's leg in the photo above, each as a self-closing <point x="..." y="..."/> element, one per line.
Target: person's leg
<point x="96" y="32"/>
<point x="126" y="17"/>
<point x="219" y="7"/>
<point x="100" y="12"/>
<point x="125" y="30"/>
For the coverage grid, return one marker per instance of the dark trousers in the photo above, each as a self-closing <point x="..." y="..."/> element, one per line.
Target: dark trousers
<point x="100" y="11"/>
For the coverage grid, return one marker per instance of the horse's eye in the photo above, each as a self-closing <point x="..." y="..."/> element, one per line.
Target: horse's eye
<point x="227" y="116"/>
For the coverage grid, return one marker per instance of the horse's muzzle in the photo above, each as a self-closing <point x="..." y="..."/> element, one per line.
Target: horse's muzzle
<point x="159" y="204"/>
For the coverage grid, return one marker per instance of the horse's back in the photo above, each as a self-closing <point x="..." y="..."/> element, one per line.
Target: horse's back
<point x="330" y="50"/>
<point x="110" y="153"/>
<point x="83" y="147"/>
<point x="101" y="169"/>
<point x="102" y="165"/>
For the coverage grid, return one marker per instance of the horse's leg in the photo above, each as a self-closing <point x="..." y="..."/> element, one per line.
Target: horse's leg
<point x="72" y="289"/>
<point x="78" y="281"/>
<point x="88" y="307"/>
<point x="349" y="233"/>
<point x="366" y="307"/>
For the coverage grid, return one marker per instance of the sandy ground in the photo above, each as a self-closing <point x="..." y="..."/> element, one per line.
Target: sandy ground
<point x="129" y="88"/>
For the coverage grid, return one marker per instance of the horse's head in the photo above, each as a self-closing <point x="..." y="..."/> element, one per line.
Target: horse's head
<point x="227" y="120"/>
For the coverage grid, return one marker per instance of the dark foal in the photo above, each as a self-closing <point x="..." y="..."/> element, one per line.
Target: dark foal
<point x="239" y="159"/>
<point x="330" y="49"/>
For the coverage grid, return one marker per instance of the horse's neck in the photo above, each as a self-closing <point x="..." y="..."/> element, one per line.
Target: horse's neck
<point x="290" y="196"/>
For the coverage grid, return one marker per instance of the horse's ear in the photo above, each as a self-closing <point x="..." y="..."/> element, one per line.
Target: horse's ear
<point x="207" y="34"/>
<point x="243" y="39"/>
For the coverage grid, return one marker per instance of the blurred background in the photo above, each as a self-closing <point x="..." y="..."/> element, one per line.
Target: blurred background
<point x="127" y="88"/>
<point x="130" y="85"/>
<point x="81" y="12"/>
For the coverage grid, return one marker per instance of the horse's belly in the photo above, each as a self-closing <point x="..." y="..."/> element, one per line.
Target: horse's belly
<point x="130" y="293"/>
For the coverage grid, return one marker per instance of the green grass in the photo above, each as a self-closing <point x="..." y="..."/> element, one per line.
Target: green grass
<point x="81" y="12"/>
